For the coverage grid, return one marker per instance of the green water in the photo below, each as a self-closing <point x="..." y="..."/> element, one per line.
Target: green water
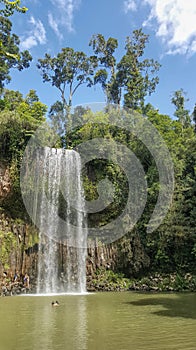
<point x="101" y="321"/>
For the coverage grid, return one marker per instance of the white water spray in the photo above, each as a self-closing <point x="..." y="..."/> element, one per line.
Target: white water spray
<point x="60" y="182"/>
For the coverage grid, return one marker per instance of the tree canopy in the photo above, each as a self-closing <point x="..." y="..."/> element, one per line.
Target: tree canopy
<point x="67" y="72"/>
<point x="10" y="54"/>
<point x="9" y="7"/>
<point x="132" y="78"/>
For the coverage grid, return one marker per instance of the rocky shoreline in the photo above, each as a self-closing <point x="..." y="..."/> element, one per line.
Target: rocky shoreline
<point x="15" y="289"/>
<point x="108" y="281"/>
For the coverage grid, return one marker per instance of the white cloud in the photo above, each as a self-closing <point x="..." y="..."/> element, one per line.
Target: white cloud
<point x="37" y="35"/>
<point x="129" y="5"/>
<point x="38" y="31"/>
<point x="64" y="14"/>
<point x="176" y="21"/>
<point x="28" y="43"/>
<point x="54" y="25"/>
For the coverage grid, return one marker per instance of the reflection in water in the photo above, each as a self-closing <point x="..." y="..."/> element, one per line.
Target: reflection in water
<point x="81" y="327"/>
<point x="109" y="321"/>
<point x="43" y="327"/>
<point x="66" y="324"/>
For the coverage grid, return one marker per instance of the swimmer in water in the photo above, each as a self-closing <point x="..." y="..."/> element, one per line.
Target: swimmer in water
<point x="56" y="303"/>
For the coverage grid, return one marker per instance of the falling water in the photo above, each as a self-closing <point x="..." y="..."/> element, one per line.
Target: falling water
<point x="76" y="252"/>
<point x="61" y="207"/>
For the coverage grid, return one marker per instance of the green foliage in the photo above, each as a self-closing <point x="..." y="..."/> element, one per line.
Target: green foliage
<point x="10" y="99"/>
<point x="8" y="242"/>
<point x="104" y="51"/>
<point x="171" y="247"/>
<point x="181" y="113"/>
<point x="194" y="116"/>
<point x="19" y="118"/>
<point x="131" y="78"/>
<point x="9" y="7"/>
<point x="110" y="281"/>
<point x="128" y="81"/>
<point x="137" y="76"/>
<point x="10" y="54"/>
<point x="67" y="72"/>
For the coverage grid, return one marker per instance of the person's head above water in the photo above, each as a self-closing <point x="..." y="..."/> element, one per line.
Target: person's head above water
<point x="56" y="303"/>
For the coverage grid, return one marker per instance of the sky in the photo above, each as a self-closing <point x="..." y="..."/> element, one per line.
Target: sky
<point x="50" y="25"/>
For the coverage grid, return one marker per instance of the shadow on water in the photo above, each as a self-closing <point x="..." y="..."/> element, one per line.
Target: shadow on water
<point x="183" y="305"/>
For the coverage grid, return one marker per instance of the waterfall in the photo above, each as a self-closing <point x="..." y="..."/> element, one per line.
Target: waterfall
<point x="61" y="207"/>
<point x="76" y="247"/>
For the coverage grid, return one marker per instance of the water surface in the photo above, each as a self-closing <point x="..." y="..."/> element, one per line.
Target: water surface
<point x="101" y="321"/>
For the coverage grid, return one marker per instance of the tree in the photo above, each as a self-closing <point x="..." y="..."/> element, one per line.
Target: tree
<point x="10" y="99"/>
<point x="28" y="109"/>
<point x="132" y="76"/>
<point x="135" y="75"/>
<point x="31" y="97"/>
<point x="10" y="54"/>
<point x="18" y="122"/>
<point x="67" y="72"/>
<point x="19" y="119"/>
<point x="194" y="116"/>
<point x="33" y="113"/>
<point x="57" y="117"/>
<point x="104" y="51"/>
<point x="171" y="245"/>
<point x="10" y="7"/>
<point x="181" y="113"/>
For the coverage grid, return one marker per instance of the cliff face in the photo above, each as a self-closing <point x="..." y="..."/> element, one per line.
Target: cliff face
<point x="16" y="236"/>
<point x="19" y="245"/>
<point x="19" y="241"/>
<point x="19" y="251"/>
<point x="5" y="181"/>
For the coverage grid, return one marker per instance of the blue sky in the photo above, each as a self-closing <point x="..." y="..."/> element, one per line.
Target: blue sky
<point x="50" y="25"/>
